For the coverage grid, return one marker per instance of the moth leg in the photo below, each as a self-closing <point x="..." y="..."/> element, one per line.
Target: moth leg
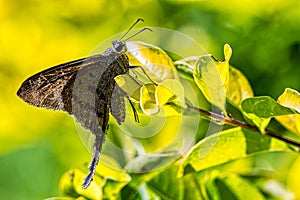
<point x="133" y="67"/>
<point x="136" y="117"/>
<point x="134" y="75"/>
<point x="134" y="78"/>
<point x="96" y="155"/>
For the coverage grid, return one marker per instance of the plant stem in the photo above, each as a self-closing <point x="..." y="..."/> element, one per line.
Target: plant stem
<point x="235" y="122"/>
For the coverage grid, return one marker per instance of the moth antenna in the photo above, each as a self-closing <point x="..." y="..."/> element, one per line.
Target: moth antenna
<point x="143" y="29"/>
<point x="139" y="19"/>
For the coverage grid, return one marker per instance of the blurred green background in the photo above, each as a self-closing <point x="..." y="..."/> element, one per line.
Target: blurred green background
<point x="37" y="146"/>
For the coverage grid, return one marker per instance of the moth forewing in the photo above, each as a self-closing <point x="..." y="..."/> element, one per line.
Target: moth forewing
<point x="45" y="88"/>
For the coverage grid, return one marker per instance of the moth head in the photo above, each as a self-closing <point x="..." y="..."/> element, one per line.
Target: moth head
<point x="119" y="46"/>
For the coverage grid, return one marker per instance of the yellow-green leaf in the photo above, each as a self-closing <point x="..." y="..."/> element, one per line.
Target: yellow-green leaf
<point x="227" y="52"/>
<point x="115" y="178"/>
<point x="209" y="80"/>
<point x="147" y="99"/>
<point x="164" y="136"/>
<point x="113" y="171"/>
<point x="261" y="109"/>
<point x="107" y="182"/>
<point x="236" y="85"/>
<point x="293" y="180"/>
<point x="239" y="87"/>
<point x="165" y="99"/>
<point x="148" y="163"/>
<point x="231" y="144"/>
<point x="212" y="77"/>
<point x="186" y="66"/>
<point x="157" y="64"/>
<point x="223" y="66"/>
<point x="71" y="181"/>
<point x="290" y="98"/>
<point x="260" y="122"/>
<point x="170" y="97"/>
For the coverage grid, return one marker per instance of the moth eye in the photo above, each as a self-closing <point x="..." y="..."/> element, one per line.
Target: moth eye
<point x="119" y="47"/>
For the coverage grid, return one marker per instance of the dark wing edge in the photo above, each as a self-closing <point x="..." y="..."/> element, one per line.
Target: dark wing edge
<point x="45" y="88"/>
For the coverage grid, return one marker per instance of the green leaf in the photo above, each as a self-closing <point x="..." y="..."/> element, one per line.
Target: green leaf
<point x="290" y="98"/>
<point x="146" y="193"/>
<point x="232" y="144"/>
<point x="167" y="185"/>
<point x="241" y="188"/>
<point x="256" y="168"/>
<point x="111" y="189"/>
<point x="63" y="198"/>
<point x="138" y="179"/>
<point x="192" y="188"/>
<point x="261" y="164"/>
<point x="265" y="107"/>
<point x="223" y="185"/>
<point x="210" y="187"/>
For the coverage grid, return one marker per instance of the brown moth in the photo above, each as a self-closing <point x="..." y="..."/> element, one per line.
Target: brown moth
<point x="86" y="89"/>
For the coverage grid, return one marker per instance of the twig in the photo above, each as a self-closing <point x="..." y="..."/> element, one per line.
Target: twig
<point x="235" y="122"/>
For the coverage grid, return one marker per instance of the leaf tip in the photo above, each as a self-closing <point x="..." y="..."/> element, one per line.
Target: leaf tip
<point x="227" y="52"/>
